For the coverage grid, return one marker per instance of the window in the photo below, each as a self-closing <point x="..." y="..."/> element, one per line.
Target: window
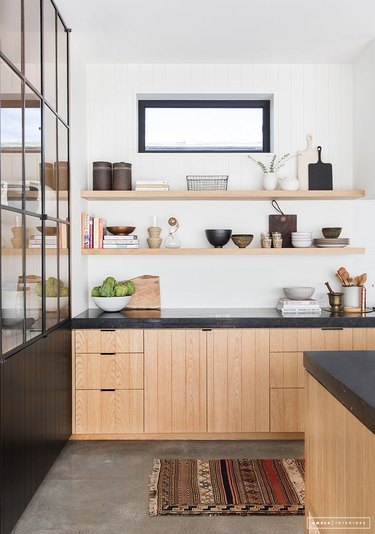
<point x="204" y="125"/>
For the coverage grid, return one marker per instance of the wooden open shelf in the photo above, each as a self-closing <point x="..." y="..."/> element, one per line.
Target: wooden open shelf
<point x="32" y="251"/>
<point x="224" y="251"/>
<point x="222" y="195"/>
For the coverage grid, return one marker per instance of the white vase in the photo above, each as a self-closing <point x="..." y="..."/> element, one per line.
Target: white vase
<point x="269" y="181"/>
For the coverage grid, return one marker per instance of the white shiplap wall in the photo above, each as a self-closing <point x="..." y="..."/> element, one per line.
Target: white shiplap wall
<point x="315" y="99"/>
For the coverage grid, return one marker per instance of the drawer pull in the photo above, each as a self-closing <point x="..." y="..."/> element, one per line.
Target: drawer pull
<point x="333" y="328"/>
<point x="108" y="330"/>
<point x="107" y="353"/>
<point x="107" y="390"/>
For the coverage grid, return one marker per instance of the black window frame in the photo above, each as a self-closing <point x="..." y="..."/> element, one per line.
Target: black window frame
<point x="265" y="105"/>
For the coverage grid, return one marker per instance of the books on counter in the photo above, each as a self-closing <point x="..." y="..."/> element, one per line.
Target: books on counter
<point x="92" y="231"/>
<point x="298" y="307"/>
<point x="151" y="185"/>
<point x="120" y="241"/>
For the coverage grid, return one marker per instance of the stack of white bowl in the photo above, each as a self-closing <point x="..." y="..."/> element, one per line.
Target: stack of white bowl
<point x="301" y="239"/>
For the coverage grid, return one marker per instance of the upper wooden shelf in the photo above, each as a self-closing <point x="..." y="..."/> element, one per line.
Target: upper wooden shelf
<point x="223" y="195"/>
<point x="32" y="251"/>
<point x="227" y="251"/>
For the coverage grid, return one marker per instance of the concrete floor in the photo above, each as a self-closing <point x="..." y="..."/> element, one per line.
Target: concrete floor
<point x="98" y="487"/>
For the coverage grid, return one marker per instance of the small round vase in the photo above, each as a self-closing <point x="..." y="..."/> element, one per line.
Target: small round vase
<point x="269" y="181"/>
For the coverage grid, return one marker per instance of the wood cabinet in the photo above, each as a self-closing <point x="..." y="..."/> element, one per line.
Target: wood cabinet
<point x="238" y="380"/>
<point x="108" y="382"/>
<point x="175" y="381"/>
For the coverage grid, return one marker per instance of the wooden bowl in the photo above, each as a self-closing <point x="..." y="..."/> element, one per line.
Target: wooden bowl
<point x="120" y="230"/>
<point x="242" y="240"/>
<point x="49" y="230"/>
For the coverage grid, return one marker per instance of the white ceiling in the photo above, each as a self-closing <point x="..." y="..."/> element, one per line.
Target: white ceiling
<point x="220" y="31"/>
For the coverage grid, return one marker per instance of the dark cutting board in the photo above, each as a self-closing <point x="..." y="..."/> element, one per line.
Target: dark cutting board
<point x="285" y="224"/>
<point x="320" y="174"/>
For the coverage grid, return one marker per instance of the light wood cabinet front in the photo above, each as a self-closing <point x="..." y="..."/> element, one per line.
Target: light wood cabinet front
<point x="304" y="339"/>
<point x="286" y="370"/>
<point x="109" y="412"/>
<point x="287" y="407"/>
<point x="109" y="371"/>
<point x="238" y="380"/>
<point x="108" y="341"/>
<point x="175" y="381"/>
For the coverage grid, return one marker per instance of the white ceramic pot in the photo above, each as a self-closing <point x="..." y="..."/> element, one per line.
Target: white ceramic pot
<point x="111" y="304"/>
<point x="269" y="181"/>
<point x="289" y="183"/>
<point x="351" y="297"/>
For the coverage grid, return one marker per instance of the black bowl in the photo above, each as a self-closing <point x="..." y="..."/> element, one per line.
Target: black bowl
<point x="218" y="238"/>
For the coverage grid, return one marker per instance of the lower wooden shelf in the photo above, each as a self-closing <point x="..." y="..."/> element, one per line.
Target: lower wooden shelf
<point x="224" y="251"/>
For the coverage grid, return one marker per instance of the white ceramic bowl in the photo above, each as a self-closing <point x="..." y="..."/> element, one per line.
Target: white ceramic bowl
<point x="301" y="244"/>
<point x="111" y="304"/>
<point x="299" y="293"/>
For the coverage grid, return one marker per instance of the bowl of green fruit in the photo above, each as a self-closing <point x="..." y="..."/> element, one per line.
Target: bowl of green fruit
<point x="113" y="296"/>
<point x="53" y="288"/>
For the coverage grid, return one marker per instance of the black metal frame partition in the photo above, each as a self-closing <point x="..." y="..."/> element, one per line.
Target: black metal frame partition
<point x="23" y="211"/>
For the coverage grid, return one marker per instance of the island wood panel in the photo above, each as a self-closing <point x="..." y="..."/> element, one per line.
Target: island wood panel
<point x="340" y="460"/>
<point x="109" y="371"/>
<point x="286" y="370"/>
<point x="109" y="341"/>
<point x="363" y="338"/>
<point x="304" y="339"/>
<point x="175" y="381"/>
<point x="238" y="380"/>
<point x="109" y="412"/>
<point x="287" y="407"/>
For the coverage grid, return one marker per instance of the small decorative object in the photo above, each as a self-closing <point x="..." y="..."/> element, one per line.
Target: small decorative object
<point x="332" y="232"/>
<point x="242" y="240"/>
<point x="102" y="176"/>
<point x="289" y="183"/>
<point x="122" y="176"/>
<point x="172" y="241"/>
<point x="320" y="174"/>
<point x="120" y="230"/>
<point x="113" y="296"/>
<point x="335" y="301"/>
<point x="266" y="240"/>
<point x="299" y="293"/>
<point x="277" y="240"/>
<point x="218" y="237"/>
<point x="213" y="182"/>
<point x="285" y="224"/>
<point x="301" y="239"/>
<point x="154" y="240"/>
<point x="269" y="171"/>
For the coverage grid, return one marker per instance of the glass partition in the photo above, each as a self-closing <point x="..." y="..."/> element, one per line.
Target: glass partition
<point x="32" y="42"/>
<point x="50" y="158"/>
<point x="10" y="30"/>
<point x="49" y="48"/>
<point x="33" y="277"/>
<point x="33" y="152"/>
<point x="62" y="71"/>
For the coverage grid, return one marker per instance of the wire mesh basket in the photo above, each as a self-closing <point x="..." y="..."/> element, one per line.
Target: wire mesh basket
<point x="212" y="182"/>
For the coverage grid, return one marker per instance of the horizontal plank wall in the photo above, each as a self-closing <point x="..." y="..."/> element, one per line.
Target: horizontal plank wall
<point x="35" y="387"/>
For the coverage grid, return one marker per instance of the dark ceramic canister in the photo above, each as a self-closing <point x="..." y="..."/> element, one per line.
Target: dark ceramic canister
<point x="102" y="175"/>
<point x="122" y="176"/>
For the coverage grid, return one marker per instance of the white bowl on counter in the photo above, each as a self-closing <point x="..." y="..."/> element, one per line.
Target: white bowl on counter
<point x="299" y="293"/>
<point x="111" y="304"/>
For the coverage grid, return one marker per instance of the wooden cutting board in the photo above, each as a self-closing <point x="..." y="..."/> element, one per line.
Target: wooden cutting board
<point x="304" y="158"/>
<point x="285" y="224"/>
<point x="147" y="294"/>
<point x="320" y="174"/>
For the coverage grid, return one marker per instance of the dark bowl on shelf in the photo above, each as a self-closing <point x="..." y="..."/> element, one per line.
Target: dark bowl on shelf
<point x="331" y="232"/>
<point x="218" y="237"/>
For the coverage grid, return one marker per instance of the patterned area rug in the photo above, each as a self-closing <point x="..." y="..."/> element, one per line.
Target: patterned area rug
<point x="227" y="487"/>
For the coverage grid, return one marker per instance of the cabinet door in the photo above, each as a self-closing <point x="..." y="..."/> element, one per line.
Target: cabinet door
<point x="363" y="338"/>
<point x="286" y="370"/>
<point x="109" y="341"/>
<point x="175" y="380"/>
<point x="109" y="371"/>
<point x="238" y="380"/>
<point x="287" y="409"/>
<point x="301" y="339"/>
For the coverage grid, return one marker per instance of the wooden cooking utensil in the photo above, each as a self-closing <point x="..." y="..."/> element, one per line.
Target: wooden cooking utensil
<point x="344" y="275"/>
<point x="339" y="277"/>
<point x="362" y="279"/>
<point x="356" y="281"/>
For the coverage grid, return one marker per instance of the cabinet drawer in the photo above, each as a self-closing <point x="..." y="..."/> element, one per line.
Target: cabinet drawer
<point x="109" y="371"/>
<point x="287" y="407"/>
<point x="301" y="339"/>
<point x="108" y="341"/>
<point x="109" y="412"/>
<point x="286" y="370"/>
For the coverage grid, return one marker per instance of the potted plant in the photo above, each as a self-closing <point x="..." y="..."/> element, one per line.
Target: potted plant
<point x="270" y="170"/>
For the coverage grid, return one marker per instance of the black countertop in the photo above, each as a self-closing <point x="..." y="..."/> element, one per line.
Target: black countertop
<point x="350" y="376"/>
<point x="215" y="318"/>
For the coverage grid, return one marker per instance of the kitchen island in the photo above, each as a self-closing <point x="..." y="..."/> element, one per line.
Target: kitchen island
<point x="340" y="441"/>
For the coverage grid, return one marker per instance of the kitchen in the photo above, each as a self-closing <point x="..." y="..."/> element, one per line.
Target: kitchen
<point x="210" y="369"/>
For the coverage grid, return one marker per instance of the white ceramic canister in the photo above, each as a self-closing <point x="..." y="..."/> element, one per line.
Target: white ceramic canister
<point x="351" y="297"/>
<point x="269" y="181"/>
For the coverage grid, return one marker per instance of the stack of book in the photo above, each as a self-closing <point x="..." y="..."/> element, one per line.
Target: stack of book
<point x="299" y="307"/>
<point x="151" y="185"/>
<point x="120" y="241"/>
<point x="91" y="231"/>
<point x="35" y="241"/>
